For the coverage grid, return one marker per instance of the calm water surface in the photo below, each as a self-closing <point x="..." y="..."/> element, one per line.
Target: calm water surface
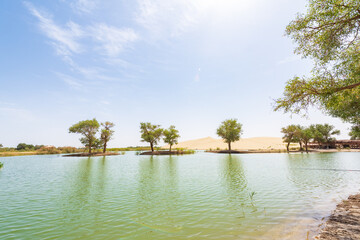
<point x="201" y="196"/>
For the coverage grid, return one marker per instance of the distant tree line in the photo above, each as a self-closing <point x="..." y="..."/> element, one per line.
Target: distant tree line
<point x="318" y="133"/>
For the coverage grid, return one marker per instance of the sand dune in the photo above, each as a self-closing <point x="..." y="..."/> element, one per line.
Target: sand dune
<point x="264" y="143"/>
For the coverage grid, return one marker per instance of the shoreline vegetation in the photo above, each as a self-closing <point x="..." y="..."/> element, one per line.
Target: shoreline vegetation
<point x="281" y="151"/>
<point x="176" y="152"/>
<point x="94" y="154"/>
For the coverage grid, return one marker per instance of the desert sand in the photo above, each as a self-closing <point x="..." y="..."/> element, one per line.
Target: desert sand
<point x="257" y="143"/>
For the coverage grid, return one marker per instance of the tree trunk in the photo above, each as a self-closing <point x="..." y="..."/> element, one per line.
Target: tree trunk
<point x="229" y="143"/>
<point x="306" y="146"/>
<point x="90" y="145"/>
<point x="287" y="146"/>
<point x="170" y="148"/>
<point x="300" y="143"/>
<point x="104" y="151"/>
<point x="152" y="147"/>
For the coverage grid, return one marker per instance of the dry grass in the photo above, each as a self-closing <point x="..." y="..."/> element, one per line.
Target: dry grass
<point x="12" y="154"/>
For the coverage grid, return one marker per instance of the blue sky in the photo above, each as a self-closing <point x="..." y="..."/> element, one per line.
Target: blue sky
<point x="190" y="63"/>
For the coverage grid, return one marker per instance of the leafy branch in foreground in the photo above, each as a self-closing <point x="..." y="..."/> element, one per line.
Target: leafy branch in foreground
<point x="329" y="34"/>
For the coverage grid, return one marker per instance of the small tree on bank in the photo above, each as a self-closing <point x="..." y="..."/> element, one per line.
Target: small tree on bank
<point x="291" y="135"/>
<point x="306" y="135"/>
<point x="87" y="128"/>
<point x="171" y="136"/>
<point x="230" y="131"/>
<point x="106" y="134"/>
<point x="150" y="133"/>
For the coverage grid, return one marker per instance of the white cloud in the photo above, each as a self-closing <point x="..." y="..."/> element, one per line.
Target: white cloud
<point x="170" y="18"/>
<point x="72" y="82"/>
<point x="173" y="18"/>
<point x="84" y="6"/>
<point x="64" y="39"/>
<point x="112" y="39"/>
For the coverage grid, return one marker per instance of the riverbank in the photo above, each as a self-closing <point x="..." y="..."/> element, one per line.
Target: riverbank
<point x="282" y="151"/>
<point x="344" y="222"/>
<point x="177" y="152"/>
<point x="13" y="154"/>
<point x="96" y="154"/>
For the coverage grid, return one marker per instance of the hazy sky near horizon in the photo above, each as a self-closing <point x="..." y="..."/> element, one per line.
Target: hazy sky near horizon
<point x="188" y="63"/>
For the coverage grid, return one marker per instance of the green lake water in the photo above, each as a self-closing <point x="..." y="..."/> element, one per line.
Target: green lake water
<point x="200" y="196"/>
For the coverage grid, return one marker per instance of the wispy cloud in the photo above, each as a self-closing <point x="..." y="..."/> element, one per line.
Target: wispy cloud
<point x="70" y="81"/>
<point x="167" y="18"/>
<point x="84" y="6"/>
<point x="64" y="39"/>
<point x="112" y="39"/>
<point x="73" y="41"/>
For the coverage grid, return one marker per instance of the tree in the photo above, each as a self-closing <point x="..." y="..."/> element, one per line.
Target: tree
<point x="291" y="135"/>
<point x="171" y="136"/>
<point x="328" y="34"/>
<point x="87" y="128"/>
<point x="1" y="146"/>
<point x="24" y="146"/>
<point x="323" y="133"/>
<point x="306" y="134"/>
<point x="106" y="134"/>
<point x="230" y="131"/>
<point x="355" y="132"/>
<point x="150" y="133"/>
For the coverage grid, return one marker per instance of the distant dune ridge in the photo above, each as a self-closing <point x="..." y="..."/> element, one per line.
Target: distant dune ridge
<point x="256" y="143"/>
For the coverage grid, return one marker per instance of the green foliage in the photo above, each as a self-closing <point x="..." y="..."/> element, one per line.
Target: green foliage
<point x="1" y="165"/>
<point x="230" y="131"/>
<point x="138" y="148"/>
<point x="327" y="33"/>
<point x="68" y="149"/>
<point x="292" y="134"/>
<point x="87" y="128"/>
<point x="106" y="133"/>
<point x="150" y="133"/>
<point x="323" y="133"/>
<point x="25" y="147"/>
<point x="355" y="132"/>
<point x="48" y="150"/>
<point x="171" y="136"/>
<point x="306" y="135"/>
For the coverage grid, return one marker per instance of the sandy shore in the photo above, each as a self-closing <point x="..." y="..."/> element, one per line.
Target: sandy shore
<point x="344" y="223"/>
<point x="257" y="143"/>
